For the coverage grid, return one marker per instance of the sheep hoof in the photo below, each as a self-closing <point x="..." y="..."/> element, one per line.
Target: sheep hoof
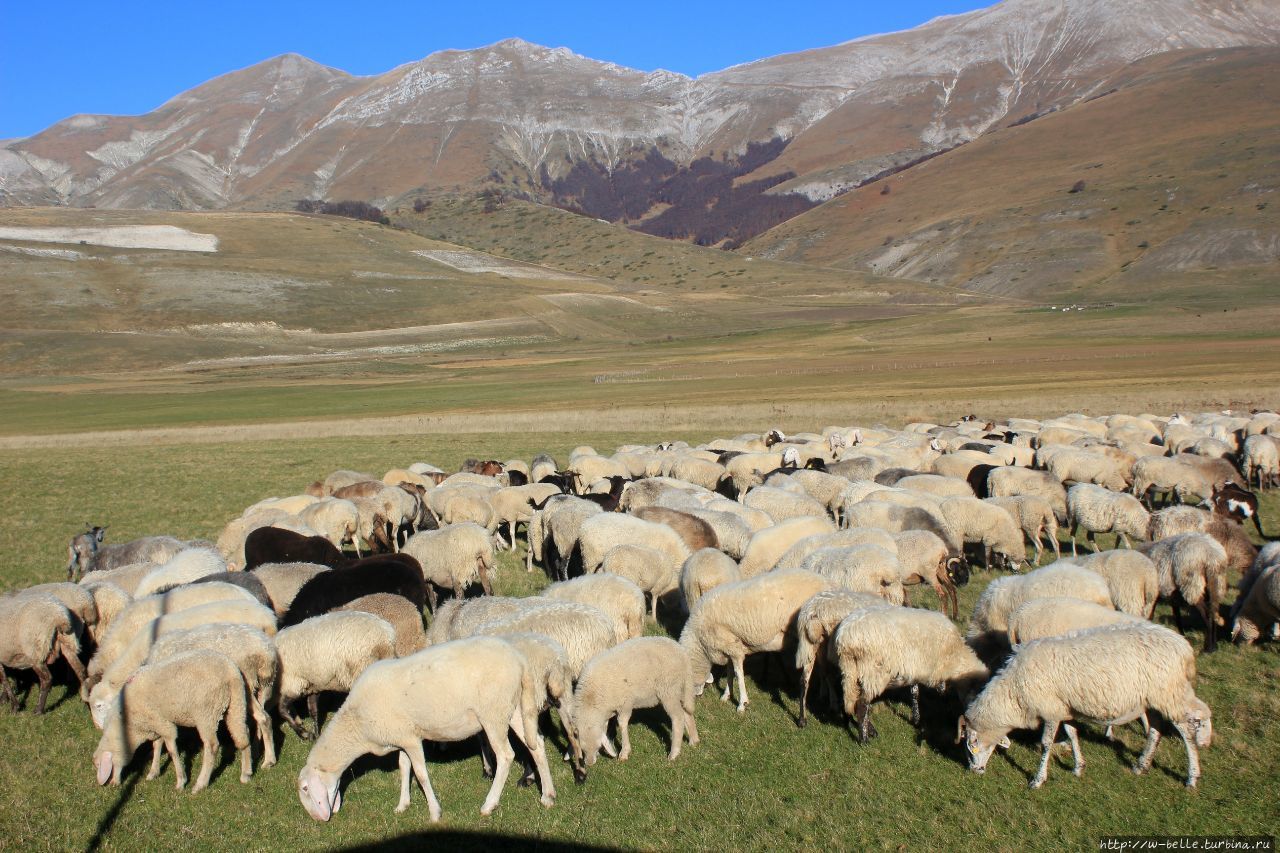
<point x="524" y="781"/>
<point x="548" y="801"/>
<point x="400" y="808"/>
<point x="802" y="722"/>
<point x="1035" y="783"/>
<point x="488" y="810"/>
<point x="1138" y="770"/>
<point x="580" y="777"/>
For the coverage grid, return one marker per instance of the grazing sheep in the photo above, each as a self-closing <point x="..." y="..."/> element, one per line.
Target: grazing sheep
<point x="733" y="534"/>
<point x="878" y="648"/>
<point x="88" y="554"/>
<point x="695" y="532"/>
<point x="34" y="631"/>
<point x="617" y="597"/>
<point x="924" y="558"/>
<point x="795" y="555"/>
<point x="1132" y="579"/>
<point x="1260" y="460"/>
<point x="453" y="558"/>
<point x="552" y="686"/>
<point x="249" y="648"/>
<point x="752" y="615"/>
<point x="1003" y="595"/>
<point x="974" y="520"/>
<point x="699" y="472"/>
<point x="328" y="652"/>
<point x="1193" y="571"/>
<point x="1111" y="674"/>
<point x="1257" y="610"/>
<point x="1174" y="520"/>
<point x="335" y="519"/>
<point x="1098" y="510"/>
<point x="599" y="534"/>
<point x="895" y="519"/>
<point x="514" y="506"/>
<point x="781" y="504"/>
<point x="822" y="487"/>
<point x="936" y="485"/>
<point x="816" y="621"/>
<point x="185" y="566"/>
<point x="1084" y="466"/>
<point x="768" y="545"/>
<point x="443" y="693"/>
<point x="1056" y="616"/>
<point x="343" y="478"/>
<point x="705" y="570"/>
<point x="283" y="580"/>
<point x="559" y="525"/>
<point x="108" y="600"/>
<point x="639" y="673"/>
<point x="1035" y="516"/>
<point x="861" y="568"/>
<point x="399" y="613"/>
<point x="581" y="629"/>
<point x="78" y="600"/>
<point x="458" y="618"/>
<point x="396" y="573"/>
<point x="275" y="545"/>
<point x="1169" y="474"/>
<point x="650" y="570"/>
<point x="197" y="689"/>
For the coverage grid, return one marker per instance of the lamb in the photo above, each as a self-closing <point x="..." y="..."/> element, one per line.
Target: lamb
<point x="650" y="570"/>
<point x="695" y="532"/>
<point x="705" y="570"/>
<point x="1131" y="578"/>
<point x="399" y="613"/>
<point x="275" y="545"/>
<point x="878" y="648"/>
<point x="328" y="652"/>
<point x="199" y="689"/>
<point x="397" y="573"/>
<point x="861" y="568"/>
<point x="582" y="630"/>
<point x="617" y="597"/>
<point x="752" y="615"/>
<point x="816" y="621"/>
<point x="768" y="545"/>
<point x="34" y="631"/>
<point x="639" y="673"/>
<point x="1098" y="510"/>
<point x="1056" y="616"/>
<point x="924" y="558"/>
<point x="186" y="566"/>
<point x="1112" y="674"/>
<point x="1193" y="571"/>
<point x="1036" y="517"/>
<point x="1003" y="595"/>
<point x="88" y="554"/>
<point x="453" y="558"/>
<point x="1258" y="609"/>
<point x="443" y="693"/>
<point x="552" y="683"/>
<point x="283" y="580"/>
<point x="514" y="505"/>
<point x="600" y="533"/>
<point x="249" y="648"/>
<point x="781" y="505"/>
<point x="974" y="520"/>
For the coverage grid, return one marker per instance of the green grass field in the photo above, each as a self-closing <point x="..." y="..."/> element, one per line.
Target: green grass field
<point x="756" y="781"/>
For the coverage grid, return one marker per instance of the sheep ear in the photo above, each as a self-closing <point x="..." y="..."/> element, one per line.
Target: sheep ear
<point x="1004" y="742"/>
<point x="962" y="727"/>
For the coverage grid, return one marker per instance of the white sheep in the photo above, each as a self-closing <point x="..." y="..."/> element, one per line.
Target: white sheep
<point x="768" y="545"/>
<point x="514" y="505"/>
<point x="1003" y="595"/>
<point x="1057" y="615"/>
<point x="861" y="568"/>
<point x="34" y="631"/>
<point x="877" y="648"/>
<point x="1009" y="481"/>
<point x="453" y="558"/>
<point x="1036" y="517"/>
<point x="1085" y="466"/>
<point x="78" y="600"/>
<point x="327" y="652"/>
<point x="705" y="570"/>
<point x="459" y="617"/>
<point x="796" y="554"/>
<point x="1192" y="568"/>
<point x="1169" y="474"/>
<point x="599" y="534"/>
<point x="1099" y="510"/>
<point x="895" y="519"/>
<point x="126" y="578"/>
<point x="936" y="485"/>
<point x="1258" y="609"/>
<point x="736" y="619"/>
<point x="109" y="600"/>
<point x="974" y="520"/>
<point x="552" y="686"/>
<point x="335" y="519"/>
<point x="782" y="504"/>
<point x="558" y="524"/>
<point x="582" y="630"/>
<point x="1260" y="460"/>
<point x="198" y="689"/>
<point x="816" y="621"/>
<point x="732" y="531"/>
<point x="283" y="580"/>
<point x="445" y="693"/>
<point x="1132" y="579"/>
<point x="639" y="673"/>
<point x="1111" y="674"/>
<point x="650" y="570"/>
<point x="184" y="567"/>
<point x="618" y="597"/>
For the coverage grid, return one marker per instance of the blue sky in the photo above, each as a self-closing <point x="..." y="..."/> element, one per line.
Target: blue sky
<point x="77" y="56"/>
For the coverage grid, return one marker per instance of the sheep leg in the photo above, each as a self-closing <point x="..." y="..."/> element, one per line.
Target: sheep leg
<point x="1193" y="754"/>
<point x="1177" y="617"/>
<point x="676" y="713"/>
<point x="1075" y="748"/>
<point x="405" y="770"/>
<point x="742" y="684"/>
<point x="67" y="648"/>
<point x="157" y="748"/>
<point x="1074" y="527"/>
<point x="624" y="733"/>
<point x="1035" y="540"/>
<point x="986" y="556"/>
<point x="805" y="676"/>
<point x="419" y="762"/>
<point x="238" y="727"/>
<point x="525" y="725"/>
<point x="263" y="723"/>
<point x="915" y="705"/>
<point x="483" y="571"/>
<point x="313" y="708"/>
<point x="294" y="721"/>
<point x="1144" y="760"/>
<point x="7" y="686"/>
<point x="433" y="600"/>
<point x="171" y="747"/>
<point x="862" y="712"/>
<point x="208" y="756"/>
<point x="46" y="682"/>
<point x="1047" y="738"/>
<point x="1093" y="543"/>
<point x="496" y="734"/>
<point x="1210" y="624"/>
<point x="607" y="746"/>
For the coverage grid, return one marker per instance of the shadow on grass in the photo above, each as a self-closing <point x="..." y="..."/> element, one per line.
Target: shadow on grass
<point x="454" y="840"/>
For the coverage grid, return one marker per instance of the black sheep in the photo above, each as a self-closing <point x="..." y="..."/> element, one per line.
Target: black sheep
<point x="277" y="545"/>
<point x="399" y="574"/>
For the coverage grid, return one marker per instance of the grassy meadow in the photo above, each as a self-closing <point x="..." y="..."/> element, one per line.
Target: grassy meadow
<point x="755" y="782"/>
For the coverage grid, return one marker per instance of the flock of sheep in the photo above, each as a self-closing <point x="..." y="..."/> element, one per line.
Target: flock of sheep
<point x="805" y="543"/>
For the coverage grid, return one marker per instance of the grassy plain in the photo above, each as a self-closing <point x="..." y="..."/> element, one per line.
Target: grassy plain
<point x="756" y="782"/>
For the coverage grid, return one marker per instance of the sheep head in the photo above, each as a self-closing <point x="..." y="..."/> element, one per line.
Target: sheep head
<point x="319" y="792"/>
